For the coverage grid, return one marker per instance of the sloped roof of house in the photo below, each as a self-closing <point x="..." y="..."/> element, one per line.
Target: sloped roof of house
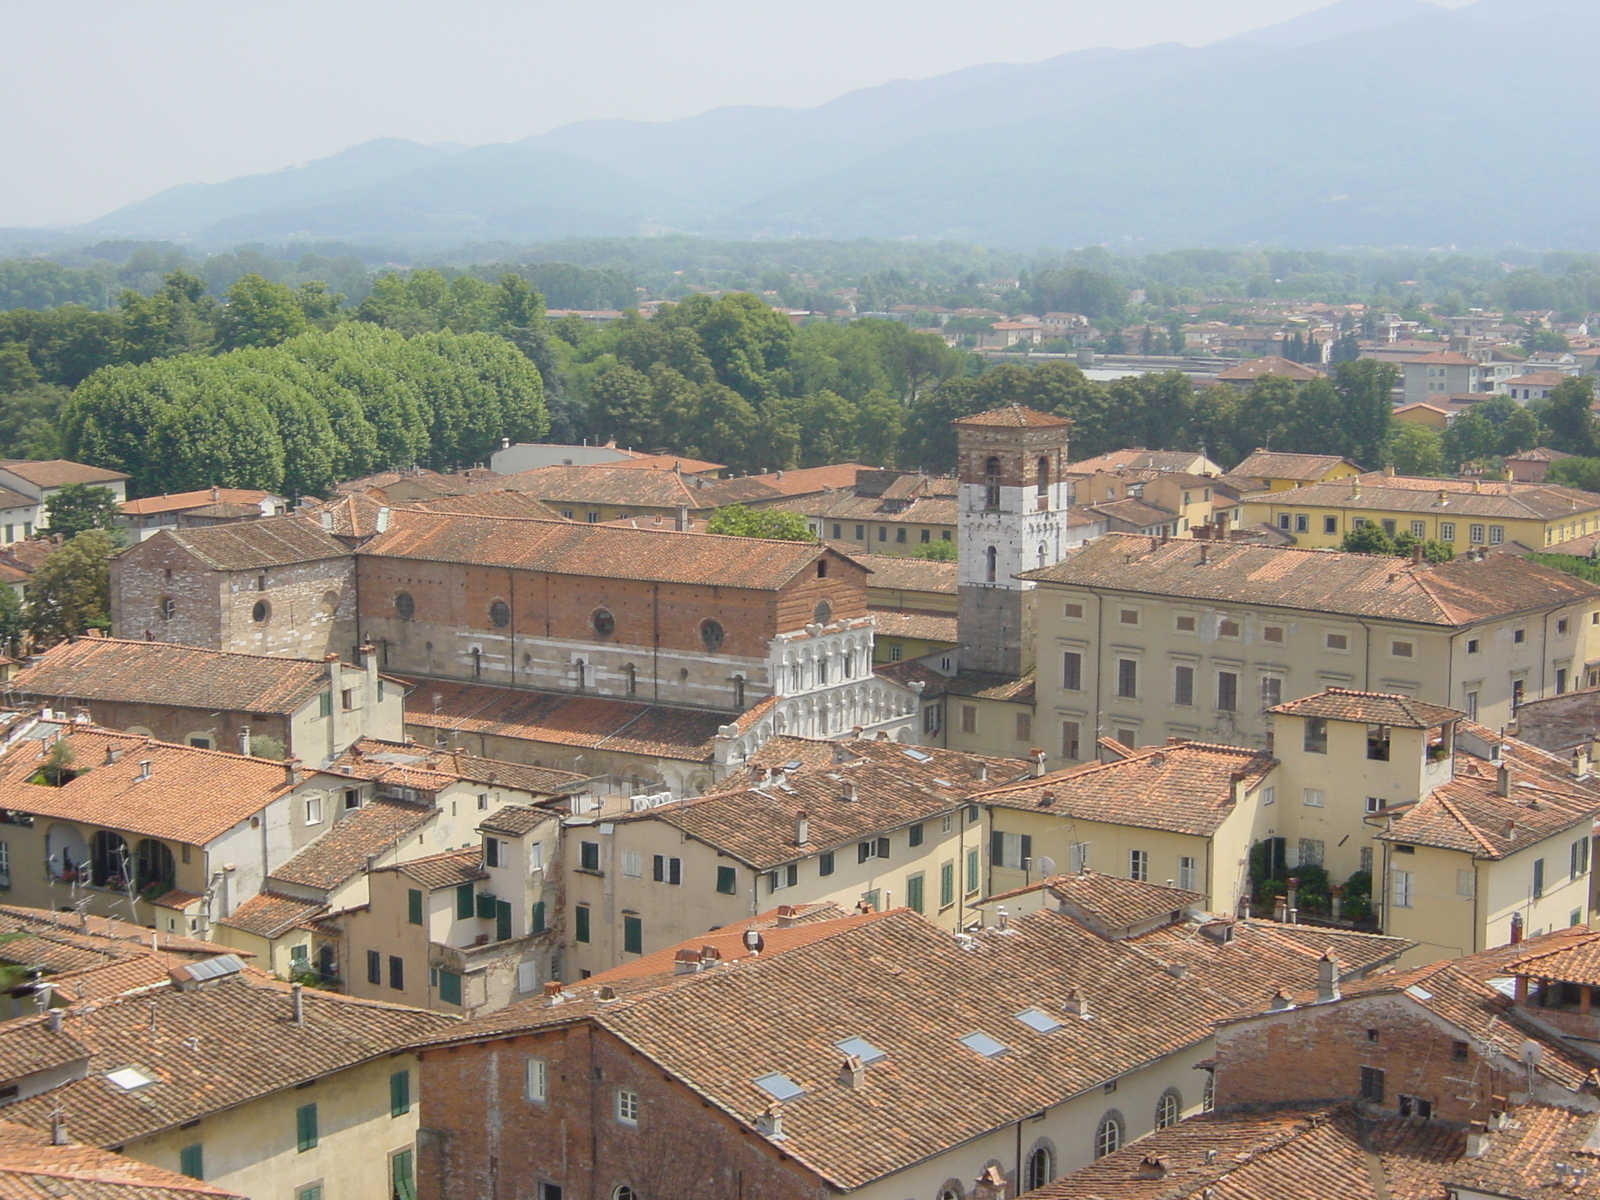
<point x="374" y="828"/>
<point x="130" y="671"/>
<point x="1369" y="708"/>
<point x="271" y="914"/>
<point x="1013" y="416"/>
<point x="183" y="501"/>
<point x="1278" y="464"/>
<point x="1358" y="585"/>
<point x="32" y="1168"/>
<point x="903" y="573"/>
<point x="1271" y="364"/>
<point x="58" y="472"/>
<point x="251" y="545"/>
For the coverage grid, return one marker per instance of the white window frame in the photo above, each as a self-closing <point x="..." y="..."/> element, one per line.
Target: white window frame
<point x="1402" y="887"/>
<point x="1314" y="797"/>
<point x="1139" y="866"/>
<point x="632" y="864"/>
<point x="314" y="809"/>
<point x="626" y="1107"/>
<point x="1188" y="872"/>
<point x="535" y="1080"/>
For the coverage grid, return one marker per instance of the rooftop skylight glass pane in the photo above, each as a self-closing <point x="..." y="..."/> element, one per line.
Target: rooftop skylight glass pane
<point x="983" y="1044"/>
<point x="779" y="1086"/>
<point x="1035" y="1018"/>
<point x="860" y="1048"/>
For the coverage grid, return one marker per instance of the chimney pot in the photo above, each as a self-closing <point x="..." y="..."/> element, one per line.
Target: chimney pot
<point x="1327" y="978"/>
<point x="1075" y="1005"/>
<point x="802" y="828"/>
<point x="853" y="1073"/>
<point x="1502" y="780"/>
<point x="297" y="998"/>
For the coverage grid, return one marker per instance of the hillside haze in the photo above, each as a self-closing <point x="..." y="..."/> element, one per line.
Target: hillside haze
<point x="1370" y="122"/>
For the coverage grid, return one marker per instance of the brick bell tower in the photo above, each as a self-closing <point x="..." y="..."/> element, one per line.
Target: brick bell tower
<point x="1012" y="518"/>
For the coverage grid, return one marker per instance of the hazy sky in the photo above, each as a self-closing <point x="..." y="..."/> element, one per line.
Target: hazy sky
<point x="107" y="101"/>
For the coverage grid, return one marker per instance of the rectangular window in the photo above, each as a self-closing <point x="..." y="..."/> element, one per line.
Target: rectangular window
<point x="1447" y="531"/>
<point x="974" y="866"/>
<point x="313" y="810"/>
<point x="1188" y="872"/>
<point x="1071" y="733"/>
<point x="1419" y="529"/>
<point x="1330" y="524"/>
<point x="914" y="893"/>
<point x="414" y="906"/>
<point x="1009" y="849"/>
<point x="589" y="856"/>
<point x="1372" y="1084"/>
<point x="1339" y="642"/>
<point x="1227" y="691"/>
<point x="400" y="1091"/>
<point x="786" y="876"/>
<point x="632" y="864"/>
<point x="1078" y="857"/>
<point x="1310" y="850"/>
<point x="969" y="718"/>
<point x="305" y="1127"/>
<point x="627" y="1109"/>
<point x="632" y="935"/>
<point x="1072" y="671"/>
<point x="1519" y="636"/>
<point x="1475" y="534"/>
<point x="1128" y="616"/>
<point x="1561" y="681"/>
<point x="1403" y="649"/>
<point x="1497" y="535"/>
<point x="1138" y="866"/>
<point x="837" y="531"/>
<point x="1072" y="610"/>
<point x="914" y="836"/>
<point x="374" y="967"/>
<point x="1184" y="623"/>
<point x="727" y="880"/>
<point x="1561" y="625"/>
<point x="536" y="918"/>
<point x="1127" y="679"/>
<point x="1471" y="706"/>
<point x="1302" y="523"/>
<point x="947" y="884"/>
<point x="1388" y="526"/>
<point x="1472" y="645"/>
<point x="930" y="719"/>
<point x="1378" y="742"/>
<point x="1466" y="884"/>
<point x="861" y="533"/>
<point x="580" y="923"/>
<point x="1375" y="804"/>
<point x="192" y="1161"/>
<point x="1538" y="879"/>
<point x="1272" y="633"/>
<point x="1316" y="736"/>
<point x="883" y="533"/>
<point x="535" y="1080"/>
<point x="325" y="704"/>
<point x="397" y="973"/>
<point x="1400" y="888"/>
<point x="465" y="904"/>
<point x="1283" y="522"/>
<point x="1269" y="794"/>
<point x="1024" y="727"/>
<point x="1578" y="859"/>
<point x="825" y="863"/>
<point x="1183" y="686"/>
<point x="1313" y="797"/>
<point x="1229" y="628"/>
<point x="402" y="1176"/>
<point x="666" y="870"/>
<point x="1271" y="691"/>
<point x="449" y="987"/>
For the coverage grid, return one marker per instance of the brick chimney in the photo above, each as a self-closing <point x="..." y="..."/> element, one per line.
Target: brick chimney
<point x="1327" y="977"/>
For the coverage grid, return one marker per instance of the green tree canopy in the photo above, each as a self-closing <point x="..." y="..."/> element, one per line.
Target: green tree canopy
<point x="738" y="521"/>
<point x="70" y="590"/>
<point x="76" y="507"/>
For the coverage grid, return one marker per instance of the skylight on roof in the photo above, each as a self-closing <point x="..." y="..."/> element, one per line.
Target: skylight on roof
<point x="130" y="1079"/>
<point x="918" y="755"/>
<point x="779" y="1086"/>
<point x="1417" y="993"/>
<point x="860" y="1048"/>
<point x="983" y="1044"/>
<point x="1038" y="1019"/>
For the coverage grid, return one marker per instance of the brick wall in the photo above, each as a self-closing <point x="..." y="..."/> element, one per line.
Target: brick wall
<point x="482" y="1139"/>
<point x="158" y="570"/>
<point x="1317" y="1053"/>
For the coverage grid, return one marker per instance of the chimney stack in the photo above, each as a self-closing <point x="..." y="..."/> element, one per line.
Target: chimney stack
<point x="291" y="772"/>
<point x="786" y="916"/>
<point x="770" y="1122"/>
<point x="1516" y="928"/>
<point x="1075" y="1005"/>
<point x="681" y="522"/>
<point x="298" y="1000"/>
<point x="802" y="828"/>
<point x="1327" y="977"/>
<point x="244" y="739"/>
<point x="1281" y="1000"/>
<point x="58" y="1129"/>
<point x="1502" y="780"/>
<point x="685" y="962"/>
<point x="1038" y="757"/>
<point x="853" y="1073"/>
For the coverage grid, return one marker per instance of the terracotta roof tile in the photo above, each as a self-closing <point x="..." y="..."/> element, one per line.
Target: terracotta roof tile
<point x="270" y="914"/>
<point x="33" y="1169"/>
<point x="909" y="623"/>
<point x="1369" y="708"/>
<point x="902" y="573"/>
<point x="1508" y="501"/>
<point x="719" y="1029"/>
<point x="251" y="545"/>
<point x="1271" y="364"/>
<point x="1013" y="416"/>
<point x="1277" y="464"/>
<point x="194" y="1051"/>
<point x="1452" y="594"/>
<point x="1577" y="962"/>
<point x="189" y="795"/>
<point x="517" y="820"/>
<point x="447" y="870"/>
<point x="182" y="501"/>
<point x="374" y="828"/>
<point x="575" y="548"/>
<point x="1116" y="902"/>
<point x="1183" y="788"/>
<point x="125" y="671"/>
<point x="563" y="719"/>
<point x="58" y="472"/>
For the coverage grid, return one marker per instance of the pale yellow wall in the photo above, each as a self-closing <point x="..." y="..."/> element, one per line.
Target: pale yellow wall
<point x="673" y="913"/>
<point x="1533" y="533"/>
<point x="997" y="732"/>
<point x="252" y="1149"/>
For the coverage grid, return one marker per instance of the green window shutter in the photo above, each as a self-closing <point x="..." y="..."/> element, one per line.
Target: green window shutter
<point x="464" y="902"/>
<point x="947" y="884"/>
<point x="538" y="916"/>
<point x="632" y="935"/>
<point x="305" y="1127"/>
<point x="486" y="906"/>
<point x="580" y="923"/>
<point x="400" y="1092"/>
<point x="727" y="880"/>
<point x="825" y="863"/>
<point x="502" y="920"/>
<point x="414" y="906"/>
<point x="325" y="704"/>
<point x="192" y="1161"/>
<point x="401" y="1176"/>
<point x="997" y="848"/>
<point x="914" y="893"/>
<point x="449" y="987"/>
<point x="972" y="870"/>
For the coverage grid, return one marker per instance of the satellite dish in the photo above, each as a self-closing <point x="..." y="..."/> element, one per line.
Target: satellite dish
<point x="1045" y="865"/>
<point x="754" y="942"/>
<point x="1530" y="1052"/>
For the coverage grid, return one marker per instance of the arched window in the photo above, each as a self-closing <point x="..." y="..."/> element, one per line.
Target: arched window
<point x="950" y="1192"/>
<point x="108" y="860"/>
<point x="581" y="668"/>
<point x="1108" y="1135"/>
<point x="991" y="483"/>
<point x="630" y="675"/>
<point x="822" y="672"/>
<point x="624" y="1192"/>
<point x="153" y="865"/>
<point x="1169" y="1109"/>
<point x="1041" y="1168"/>
<point x="1042" y="470"/>
<point x="991" y="558"/>
<point x="823" y="613"/>
<point x="822" y="568"/>
<point x="1043" y="551"/>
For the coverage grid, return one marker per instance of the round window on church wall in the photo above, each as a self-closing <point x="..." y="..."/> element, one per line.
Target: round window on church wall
<point x="260" y="612"/>
<point x="404" y="606"/>
<point x="604" y="623"/>
<point x="711" y="634"/>
<point x="500" y="614"/>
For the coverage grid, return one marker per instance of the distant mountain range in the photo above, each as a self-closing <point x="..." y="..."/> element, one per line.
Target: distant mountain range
<point x="1370" y="122"/>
